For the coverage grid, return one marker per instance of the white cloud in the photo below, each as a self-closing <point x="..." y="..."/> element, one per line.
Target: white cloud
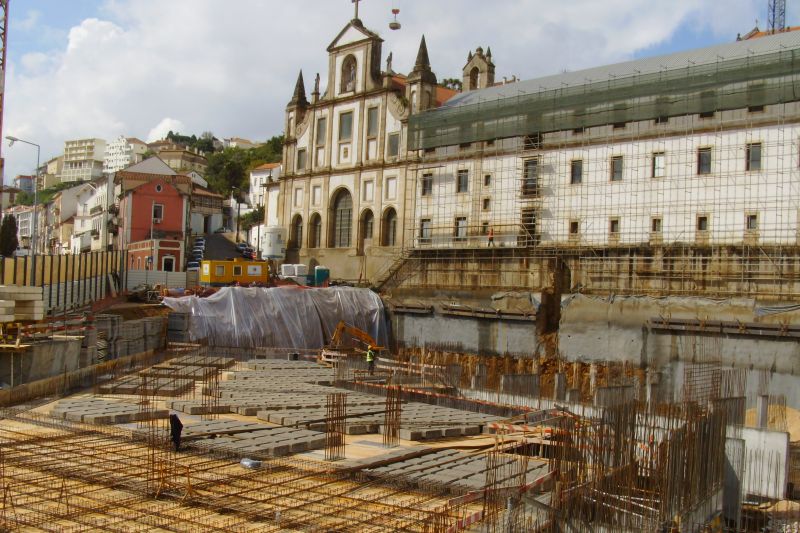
<point x="232" y="69"/>
<point x="165" y="126"/>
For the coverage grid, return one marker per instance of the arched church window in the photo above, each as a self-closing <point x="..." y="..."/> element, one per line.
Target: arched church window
<point x="348" y="74"/>
<point x="341" y="220"/>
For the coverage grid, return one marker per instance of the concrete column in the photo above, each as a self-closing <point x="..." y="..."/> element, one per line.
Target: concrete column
<point x="560" y="386"/>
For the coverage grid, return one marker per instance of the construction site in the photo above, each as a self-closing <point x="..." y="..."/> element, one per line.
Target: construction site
<point x="586" y="322"/>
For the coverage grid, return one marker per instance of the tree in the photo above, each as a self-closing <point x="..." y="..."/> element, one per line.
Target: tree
<point x="253" y="218"/>
<point x="453" y="83"/>
<point x="8" y="236"/>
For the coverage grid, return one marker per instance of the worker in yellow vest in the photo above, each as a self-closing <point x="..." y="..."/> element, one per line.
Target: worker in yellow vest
<point x="370" y="360"/>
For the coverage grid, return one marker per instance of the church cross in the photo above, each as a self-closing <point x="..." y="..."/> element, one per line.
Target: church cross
<point x="356" y="3"/>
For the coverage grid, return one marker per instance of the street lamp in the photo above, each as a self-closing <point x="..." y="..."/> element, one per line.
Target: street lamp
<point x="11" y="141"/>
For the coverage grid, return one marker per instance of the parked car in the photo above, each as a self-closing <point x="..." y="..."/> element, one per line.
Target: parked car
<point x="221" y="230"/>
<point x="193" y="266"/>
<point x="241" y="246"/>
<point x="199" y="248"/>
<point x="197" y="256"/>
<point x="249" y="253"/>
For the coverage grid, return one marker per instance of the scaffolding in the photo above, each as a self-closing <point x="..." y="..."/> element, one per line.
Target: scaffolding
<point x="679" y="178"/>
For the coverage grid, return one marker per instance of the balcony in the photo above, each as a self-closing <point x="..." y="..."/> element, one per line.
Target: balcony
<point x="95" y="234"/>
<point x="96" y="209"/>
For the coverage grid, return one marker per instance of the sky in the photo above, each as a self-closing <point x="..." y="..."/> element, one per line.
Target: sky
<point x="139" y="68"/>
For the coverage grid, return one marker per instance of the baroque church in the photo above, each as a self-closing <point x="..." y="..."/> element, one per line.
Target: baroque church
<point x="345" y="189"/>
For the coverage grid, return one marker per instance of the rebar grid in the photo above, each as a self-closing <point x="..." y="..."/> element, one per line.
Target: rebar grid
<point x="72" y="475"/>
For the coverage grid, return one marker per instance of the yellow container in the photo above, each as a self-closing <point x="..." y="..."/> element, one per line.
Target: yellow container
<point x="219" y="273"/>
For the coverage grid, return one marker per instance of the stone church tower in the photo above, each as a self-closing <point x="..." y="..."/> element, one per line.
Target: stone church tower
<point x="479" y="70"/>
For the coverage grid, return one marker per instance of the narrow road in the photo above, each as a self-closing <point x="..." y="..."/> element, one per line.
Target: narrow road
<point x="218" y="246"/>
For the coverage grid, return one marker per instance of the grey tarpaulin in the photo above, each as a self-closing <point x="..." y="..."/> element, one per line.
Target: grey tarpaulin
<point x="285" y="317"/>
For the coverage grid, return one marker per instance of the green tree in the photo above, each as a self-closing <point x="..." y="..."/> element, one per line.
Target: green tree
<point x="8" y="236"/>
<point x="253" y="218"/>
<point x="452" y="83"/>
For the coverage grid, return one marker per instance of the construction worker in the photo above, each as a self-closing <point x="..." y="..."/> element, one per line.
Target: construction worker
<point x="370" y="360"/>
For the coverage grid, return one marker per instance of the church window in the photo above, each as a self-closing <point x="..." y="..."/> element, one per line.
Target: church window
<point x="297" y="232"/>
<point x="616" y="168"/>
<point x="530" y="177"/>
<point x="346" y="126"/>
<point x="462" y="180"/>
<point x="460" y="230"/>
<point x="389" y="237"/>
<point x="322" y="127"/>
<point x="427" y="184"/>
<point x="391" y="188"/>
<point x="348" y="74"/>
<point x="413" y="100"/>
<point x="316" y="194"/>
<point x="298" y="197"/>
<point x="473" y="78"/>
<point x="301" y="159"/>
<point x="342" y="219"/>
<point x="394" y="145"/>
<point x="372" y="122"/>
<point x="315" y="231"/>
<point x="368" y="191"/>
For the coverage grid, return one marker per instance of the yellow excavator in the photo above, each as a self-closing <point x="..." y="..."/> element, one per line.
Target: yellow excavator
<point x="347" y="341"/>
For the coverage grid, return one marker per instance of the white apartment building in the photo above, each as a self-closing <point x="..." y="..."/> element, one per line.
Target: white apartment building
<point x="83" y="159"/>
<point x="260" y="177"/>
<point x="123" y="152"/>
<point x="95" y="218"/>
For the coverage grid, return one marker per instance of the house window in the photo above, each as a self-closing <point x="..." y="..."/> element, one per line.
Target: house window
<point x="393" y="142"/>
<point x="158" y="212"/>
<point x="427" y="184"/>
<point x="237" y="270"/>
<point x="658" y="166"/>
<point x="219" y="270"/>
<point x="301" y="159"/>
<point x="486" y="204"/>
<point x="462" y="180"/>
<point x="322" y="131"/>
<point x="487" y="180"/>
<point x="613" y="226"/>
<point x="372" y="122"/>
<point x="367" y="193"/>
<point x="346" y="126"/>
<point x="530" y="176"/>
<point x="704" y="160"/>
<point x="391" y="188"/>
<point x="753" y="156"/>
<point x="425" y="231"/>
<point x="655" y="225"/>
<point x="702" y="223"/>
<point x="298" y="197"/>
<point x="751" y="222"/>
<point x="574" y="227"/>
<point x="316" y="194"/>
<point x="348" y="82"/>
<point x="315" y="231"/>
<point x="576" y="172"/>
<point x="342" y="219"/>
<point x="460" y="233"/>
<point x="616" y="168"/>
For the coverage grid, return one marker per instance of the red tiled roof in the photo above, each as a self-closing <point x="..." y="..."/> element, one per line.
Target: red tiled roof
<point x="443" y="94"/>
<point x="202" y="191"/>
<point x="755" y="33"/>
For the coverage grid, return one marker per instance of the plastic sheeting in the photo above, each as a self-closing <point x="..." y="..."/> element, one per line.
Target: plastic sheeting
<point x="281" y="317"/>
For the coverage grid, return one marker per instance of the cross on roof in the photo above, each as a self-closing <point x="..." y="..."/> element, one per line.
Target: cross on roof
<point x="356" y="3"/>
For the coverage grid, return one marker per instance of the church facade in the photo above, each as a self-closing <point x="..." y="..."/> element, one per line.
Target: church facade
<point x="346" y="167"/>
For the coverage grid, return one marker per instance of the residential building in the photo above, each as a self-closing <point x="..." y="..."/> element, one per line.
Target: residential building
<point x="83" y="159"/>
<point x="180" y="158"/>
<point x="123" y="152"/>
<point x="24" y="216"/>
<point x="206" y="210"/>
<point x="259" y="178"/>
<point x="9" y="196"/>
<point x="345" y="169"/>
<point x="83" y="236"/>
<point x="59" y="219"/>
<point x="24" y="183"/>
<point x="154" y="211"/>
<point x="238" y="142"/>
